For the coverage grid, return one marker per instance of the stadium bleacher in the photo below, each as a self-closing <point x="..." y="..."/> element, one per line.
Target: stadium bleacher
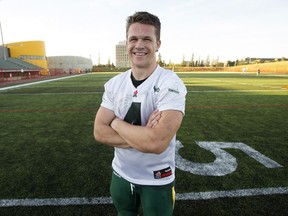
<point x="17" y="64"/>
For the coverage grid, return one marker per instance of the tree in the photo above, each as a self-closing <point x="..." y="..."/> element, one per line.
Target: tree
<point x="192" y="60"/>
<point x="217" y="61"/>
<point x="237" y="62"/>
<point x="183" y="64"/>
<point x="159" y="60"/>
<point x="109" y="64"/>
<point x="199" y="62"/>
<point x="207" y="62"/>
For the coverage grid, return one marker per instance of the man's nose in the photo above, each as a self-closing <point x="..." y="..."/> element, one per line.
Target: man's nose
<point x="140" y="44"/>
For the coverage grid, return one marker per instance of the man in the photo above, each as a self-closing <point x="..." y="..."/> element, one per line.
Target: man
<point x="140" y="113"/>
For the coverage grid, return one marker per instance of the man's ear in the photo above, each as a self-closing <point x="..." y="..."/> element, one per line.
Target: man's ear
<point x="158" y="43"/>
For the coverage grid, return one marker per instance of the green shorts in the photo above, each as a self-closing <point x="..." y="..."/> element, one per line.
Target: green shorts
<point x="129" y="198"/>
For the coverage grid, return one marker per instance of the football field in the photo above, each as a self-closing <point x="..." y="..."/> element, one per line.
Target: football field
<point x="231" y="153"/>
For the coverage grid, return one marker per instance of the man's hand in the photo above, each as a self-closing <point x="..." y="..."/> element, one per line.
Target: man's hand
<point x="104" y="133"/>
<point x="153" y="119"/>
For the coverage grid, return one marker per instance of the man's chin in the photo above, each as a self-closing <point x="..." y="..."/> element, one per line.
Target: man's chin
<point x="139" y="64"/>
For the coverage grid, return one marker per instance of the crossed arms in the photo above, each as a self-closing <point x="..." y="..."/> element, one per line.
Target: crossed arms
<point x="152" y="138"/>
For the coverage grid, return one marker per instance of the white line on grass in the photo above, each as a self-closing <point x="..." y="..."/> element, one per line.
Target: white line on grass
<point x="42" y="81"/>
<point x="244" y="83"/>
<point x="234" y="91"/>
<point x="108" y="200"/>
<point x="101" y="92"/>
<point x="232" y="193"/>
<point x="58" y="93"/>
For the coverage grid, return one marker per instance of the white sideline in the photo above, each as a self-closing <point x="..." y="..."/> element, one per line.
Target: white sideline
<point x="37" y="82"/>
<point x="108" y="200"/>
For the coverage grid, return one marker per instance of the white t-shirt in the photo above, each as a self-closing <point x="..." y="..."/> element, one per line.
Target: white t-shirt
<point x="162" y="90"/>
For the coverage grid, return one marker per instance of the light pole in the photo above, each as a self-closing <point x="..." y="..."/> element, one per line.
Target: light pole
<point x="2" y="42"/>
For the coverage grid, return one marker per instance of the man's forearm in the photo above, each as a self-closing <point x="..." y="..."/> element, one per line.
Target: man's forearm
<point x="107" y="135"/>
<point x="138" y="137"/>
<point x="155" y="136"/>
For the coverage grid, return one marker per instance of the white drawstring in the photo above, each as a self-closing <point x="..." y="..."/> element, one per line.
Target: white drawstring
<point x="132" y="187"/>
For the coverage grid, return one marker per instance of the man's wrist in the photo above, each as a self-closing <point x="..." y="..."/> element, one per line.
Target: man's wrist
<point x="114" y="123"/>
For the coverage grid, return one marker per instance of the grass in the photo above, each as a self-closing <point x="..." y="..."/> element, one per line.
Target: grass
<point x="48" y="150"/>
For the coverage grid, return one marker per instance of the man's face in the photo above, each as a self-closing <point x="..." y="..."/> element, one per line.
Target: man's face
<point x="142" y="45"/>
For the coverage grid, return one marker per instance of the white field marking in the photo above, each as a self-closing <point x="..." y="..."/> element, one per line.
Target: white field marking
<point x="243" y="83"/>
<point x="50" y="80"/>
<point x="235" y="91"/>
<point x="108" y="200"/>
<point x="231" y="193"/>
<point x="57" y="93"/>
<point x="224" y="163"/>
<point x="42" y="81"/>
<point x="101" y="92"/>
<point x="250" y="74"/>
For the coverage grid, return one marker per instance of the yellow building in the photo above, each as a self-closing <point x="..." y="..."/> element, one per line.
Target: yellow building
<point x="32" y="52"/>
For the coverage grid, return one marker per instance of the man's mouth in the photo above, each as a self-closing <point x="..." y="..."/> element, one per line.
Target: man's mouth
<point x="139" y="53"/>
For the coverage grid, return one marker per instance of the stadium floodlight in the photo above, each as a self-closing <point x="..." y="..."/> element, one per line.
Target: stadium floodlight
<point x="3" y="47"/>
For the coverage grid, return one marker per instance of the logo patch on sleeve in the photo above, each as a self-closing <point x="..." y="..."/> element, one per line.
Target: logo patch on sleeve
<point x="159" y="174"/>
<point x="174" y="89"/>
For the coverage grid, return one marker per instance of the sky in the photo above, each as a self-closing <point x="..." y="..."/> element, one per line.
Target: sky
<point x="220" y="29"/>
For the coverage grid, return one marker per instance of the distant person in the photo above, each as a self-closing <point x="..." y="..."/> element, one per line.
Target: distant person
<point x="244" y="71"/>
<point x="258" y="71"/>
<point x="140" y="113"/>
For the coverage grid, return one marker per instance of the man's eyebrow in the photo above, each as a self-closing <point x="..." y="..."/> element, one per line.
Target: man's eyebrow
<point x="147" y="37"/>
<point x="132" y="37"/>
<point x="141" y="37"/>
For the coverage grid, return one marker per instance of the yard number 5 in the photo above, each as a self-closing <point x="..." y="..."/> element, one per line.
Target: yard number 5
<point x="224" y="163"/>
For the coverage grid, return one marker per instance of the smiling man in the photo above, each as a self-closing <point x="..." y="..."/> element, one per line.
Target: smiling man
<point x="140" y="114"/>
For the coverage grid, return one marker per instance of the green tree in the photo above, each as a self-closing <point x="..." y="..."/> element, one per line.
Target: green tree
<point x="109" y="63"/>
<point x="159" y="60"/>
<point x="183" y="64"/>
<point x="207" y="62"/>
<point x="191" y="64"/>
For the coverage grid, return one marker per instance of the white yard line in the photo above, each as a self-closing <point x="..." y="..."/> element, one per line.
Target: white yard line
<point x="101" y="92"/>
<point x="235" y="91"/>
<point x="247" y="84"/>
<point x="107" y="200"/>
<point x="232" y="193"/>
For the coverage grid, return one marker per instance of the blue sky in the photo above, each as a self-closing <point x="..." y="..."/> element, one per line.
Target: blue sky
<point x="228" y="29"/>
